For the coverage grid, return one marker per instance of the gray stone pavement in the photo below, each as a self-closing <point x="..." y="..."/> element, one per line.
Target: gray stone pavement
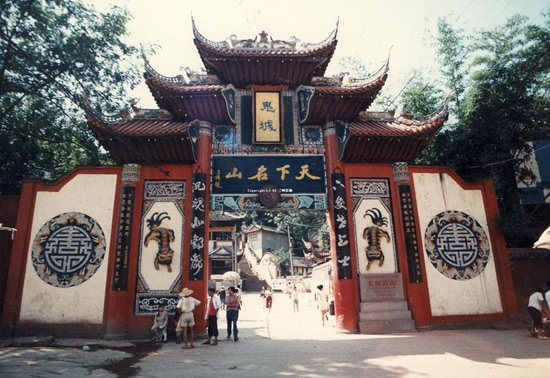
<point x="283" y="343"/>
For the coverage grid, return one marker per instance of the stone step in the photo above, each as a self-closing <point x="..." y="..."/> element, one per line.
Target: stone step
<point x="387" y="326"/>
<point x="385" y="315"/>
<point x="253" y="282"/>
<point x="384" y="306"/>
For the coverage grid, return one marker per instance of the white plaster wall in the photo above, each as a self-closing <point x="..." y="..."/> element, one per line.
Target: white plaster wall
<point x="436" y="193"/>
<point x="93" y="195"/>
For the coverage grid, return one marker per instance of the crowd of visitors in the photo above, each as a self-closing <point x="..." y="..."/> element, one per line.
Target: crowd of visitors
<point x="229" y="300"/>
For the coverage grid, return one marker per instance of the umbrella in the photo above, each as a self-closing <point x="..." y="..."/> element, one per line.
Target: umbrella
<point x="231" y="276"/>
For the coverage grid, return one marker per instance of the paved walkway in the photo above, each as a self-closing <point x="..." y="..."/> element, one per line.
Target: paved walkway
<point x="283" y="343"/>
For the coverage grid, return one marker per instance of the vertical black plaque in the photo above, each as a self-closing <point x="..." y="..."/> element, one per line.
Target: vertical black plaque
<point x="341" y="225"/>
<point x="124" y="232"/>
<point x="409" y="227"/>
<point x="198" y="212"/>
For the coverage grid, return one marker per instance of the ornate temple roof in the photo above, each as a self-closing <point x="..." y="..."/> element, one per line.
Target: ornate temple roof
<point x="266" y="61"/>
<point x="147" y="136"/>
<point x="169" y="135"/>
<point x="344" y="101"/>
<point x="370" y="138"/>
<point x="198" y="98"/>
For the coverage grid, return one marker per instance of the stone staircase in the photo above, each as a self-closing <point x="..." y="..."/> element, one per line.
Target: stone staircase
<point x="383" y="306"/>
<point x="253" y="283"/>
<point x="385" y="317"/>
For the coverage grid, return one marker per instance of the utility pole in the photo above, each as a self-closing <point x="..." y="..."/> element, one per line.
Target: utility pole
<point x="234" y="237"/>
<point x="290" y="250"/>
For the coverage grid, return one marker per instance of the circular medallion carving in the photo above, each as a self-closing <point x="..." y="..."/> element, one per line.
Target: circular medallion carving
<point x="313" y="134"/>
<point x="269" y="196"/>
<point x="68" y="249"/>
<point x="457" y="245"/>
<point x="222" y="134"/>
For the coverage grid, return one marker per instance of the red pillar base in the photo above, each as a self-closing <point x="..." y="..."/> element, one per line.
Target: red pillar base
<point x="345" y="301"/>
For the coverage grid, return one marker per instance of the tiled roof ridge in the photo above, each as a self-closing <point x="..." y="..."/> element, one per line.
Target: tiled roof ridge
<point x="124" y="115"/>
<point x="224" y="46"/>
<point x="182" y="86"/>
<point x="209" y="81"/>
<point x="370" y="80"/>
<point x="142" y="127"/>
<point x="378" y="79"/>
<point x="436" y="117"/>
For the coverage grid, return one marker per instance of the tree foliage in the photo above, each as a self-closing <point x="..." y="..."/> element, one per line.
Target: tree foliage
<point x="421" y="98"/>
<point x="282" y="259"/>
<point x="502" y="103"/>
<point x="46" y="45"/>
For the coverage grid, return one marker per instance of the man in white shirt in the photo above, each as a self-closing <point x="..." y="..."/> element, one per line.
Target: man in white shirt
<point x="185" y="306"/>
<point x="535" y="307"/>
<point x="213" y="305"/>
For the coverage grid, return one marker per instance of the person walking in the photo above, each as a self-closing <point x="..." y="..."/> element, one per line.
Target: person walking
<point x="322" y="302"/>
<point x="186" y="322"/>
<point x="233" y="305"/>
<point x="268" y="298"/>
<point x="213" y="305"/>
<point x="535" y="307"/>
<point x="295" y="299"/>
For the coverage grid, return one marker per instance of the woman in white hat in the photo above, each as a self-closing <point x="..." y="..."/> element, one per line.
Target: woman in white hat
<point x="185" y="306"/>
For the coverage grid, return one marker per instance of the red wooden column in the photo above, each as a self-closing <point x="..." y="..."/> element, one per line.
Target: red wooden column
<point x="500" y="253"/>
<point x="200" y="285"/>
<point x="19" y="254"/>
<point x="118" y="296"/>
<point x="346" y="298"/>
<point x="410" y="256"/>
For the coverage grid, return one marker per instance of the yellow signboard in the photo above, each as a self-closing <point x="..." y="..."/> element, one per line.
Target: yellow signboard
<point x="267" y="117"/>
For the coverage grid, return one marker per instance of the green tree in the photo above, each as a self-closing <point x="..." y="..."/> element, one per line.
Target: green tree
<point x="452" y="54"/>
<point x="503" y="104"/>
<point x="421" y="98"/>
<point x="49" y="50"/>
<point x="282" y="259"/>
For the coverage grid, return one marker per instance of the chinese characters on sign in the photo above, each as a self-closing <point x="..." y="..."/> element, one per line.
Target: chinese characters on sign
<point x="381" y="287"/>
<point x="124" y="231"/>
<point x="198" y="210"/>
<point x="267" y="116"/>
<point x="249" y="174"/>
<point x="340" y="215"/>
<point x="409" y="226"/>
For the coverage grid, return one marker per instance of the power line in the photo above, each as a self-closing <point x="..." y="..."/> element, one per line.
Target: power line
<point x="506" y="160"/>
<point x="402" y="89"/>
<point x="485" y="14"/>
<point x="498" y="15"/>
<point x="467" y="6"/>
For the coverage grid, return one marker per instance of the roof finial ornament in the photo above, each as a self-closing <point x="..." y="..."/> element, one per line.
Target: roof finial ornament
<point x="144" y="55"/>
<point x="336" y="30"/>
<point x="134" y="105"/>
<point x="263" y="36"/>
<point x="389" y="54"/>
